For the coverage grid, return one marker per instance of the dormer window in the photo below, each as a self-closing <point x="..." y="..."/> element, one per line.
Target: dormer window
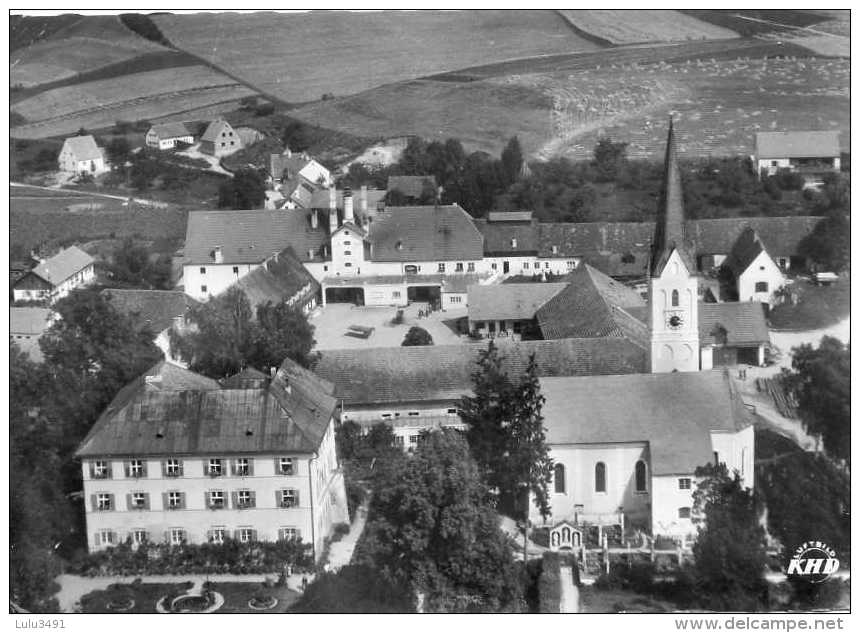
<point x="555" y="250"/>
<point x="513" y="242"/>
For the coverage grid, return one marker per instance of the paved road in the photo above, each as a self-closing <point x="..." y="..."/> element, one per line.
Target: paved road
<point x="569" y="592"/>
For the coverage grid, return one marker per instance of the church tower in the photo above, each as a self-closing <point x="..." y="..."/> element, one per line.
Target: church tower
<point x="673" y="289"/>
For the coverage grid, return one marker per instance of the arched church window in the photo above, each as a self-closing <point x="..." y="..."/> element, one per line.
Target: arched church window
<point x="558" y="478"/>
<point x="600" y="477"/>
<point x="674" y="298"/>
<point x="641" y="480"/>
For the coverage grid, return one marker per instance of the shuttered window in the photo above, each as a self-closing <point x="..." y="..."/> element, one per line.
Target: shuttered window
<point x="288" y="498"/>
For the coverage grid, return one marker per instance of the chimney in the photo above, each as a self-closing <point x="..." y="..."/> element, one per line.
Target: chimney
<point x="362" y="204"/>
<point x="315" y="222"/>
<point x="332" y="220"/>
<point x="287" y="152"/>
<point x="347" y="206"/>
<point x="332" y="198"/>
<point x="218" y="254"/>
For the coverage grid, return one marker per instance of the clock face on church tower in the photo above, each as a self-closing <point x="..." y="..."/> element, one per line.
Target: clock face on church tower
<point x="675" y="321"/>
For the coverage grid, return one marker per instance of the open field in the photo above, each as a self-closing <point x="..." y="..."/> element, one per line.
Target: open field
<point x="722" y="92"/>
<point x="81" y="46"/>
<point x="631" y="26"/>
<point x="145" y="95"/>
<point x="342" y="53"/>
<point x="751" y="22"/>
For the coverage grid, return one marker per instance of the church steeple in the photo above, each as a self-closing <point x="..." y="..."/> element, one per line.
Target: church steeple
<point x="669" y="232"/>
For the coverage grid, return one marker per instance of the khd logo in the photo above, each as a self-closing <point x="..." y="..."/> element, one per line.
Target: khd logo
<point x="813" y="561"/>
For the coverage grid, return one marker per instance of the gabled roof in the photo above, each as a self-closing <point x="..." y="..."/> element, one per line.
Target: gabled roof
<point x="498" y="302"/>
<point x="589" y="307"/>
<point x="291" y="415"/>
<point x="321" y="199"/>
<point x="252" y="236"/>
<point x="425" y="233"/>
<point x="378" y="376"/>
<point x="583" y="239"/>
<point x="510" y="237"/>
<point x="63" y="265"/>
<point x="155" y="309"/>
<point x="173" y="129"/>
<point x="214" y="129"/>
<point x="291" y="163"/>
<point x="674" y="413"/>
<point x="744" y="323"/>
<point x="248" y="378"/>
<point x="819" y="144"/>
<point x="746" y="248"/>
<point x="29" y="321"/>
<point x="411" y="186"/>
<point x="669" y="233"/>
<point x="280" y="278"/>
<point x="83" y="147"/>
<point x="780" y="235"/>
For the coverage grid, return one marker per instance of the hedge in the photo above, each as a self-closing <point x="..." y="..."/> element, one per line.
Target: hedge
<point x="229" y="557"/>
<point x="549" y="585"/>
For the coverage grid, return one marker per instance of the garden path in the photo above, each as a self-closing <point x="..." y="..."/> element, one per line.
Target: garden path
<point x="341" y="552"/>
<point x="569" y="602"/>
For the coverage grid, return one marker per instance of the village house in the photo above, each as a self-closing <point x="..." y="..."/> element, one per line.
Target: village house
<point x="160" y="311"/>
<point x="626" y="448"/>
<point x="80" y="155"/>
<point x="168" y="135"/>
<point x="281" y="278"/>
<point x="297" y="177"/>
<point x="419" y="388"/>
<point x="811" y="154"/>
<point x="751" y="273"/>
<point x="55" y="277"/>
<point x="179" y="458"/>
<point x="26" y="326"/>
<point x="220" y="139"/>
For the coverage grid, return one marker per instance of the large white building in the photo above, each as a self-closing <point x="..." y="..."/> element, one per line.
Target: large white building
<point x="180" y="458"/>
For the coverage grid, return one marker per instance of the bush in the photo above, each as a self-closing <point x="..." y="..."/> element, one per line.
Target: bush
<point x="355" y="495"/>
<point x="228" y="557"/>
<point x="340" y="530"/>
<point x="549" y="585"/>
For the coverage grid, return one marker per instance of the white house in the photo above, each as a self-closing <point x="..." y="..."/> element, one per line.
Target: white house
<point x="808" y="153"/>
<point x="626" y="448"/>
<point x="298" y="177"/>
<point x="754" y="275"/>
<point x="180" y="458"/>
<point x="167" y="135"/>
<point x="81" y="155"/>
<point x="55" y="277"/>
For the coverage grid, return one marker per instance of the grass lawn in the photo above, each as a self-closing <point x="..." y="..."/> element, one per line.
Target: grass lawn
<point x="817" y="307"/>
<point x="237" y="594"/>
<point x="145" y="596"/>
<point x="593" y="600"/>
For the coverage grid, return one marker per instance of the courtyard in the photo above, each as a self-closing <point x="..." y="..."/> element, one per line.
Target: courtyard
<point x="332" y="324"/>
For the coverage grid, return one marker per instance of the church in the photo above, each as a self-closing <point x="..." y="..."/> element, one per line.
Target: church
<point x="626" y="448"/>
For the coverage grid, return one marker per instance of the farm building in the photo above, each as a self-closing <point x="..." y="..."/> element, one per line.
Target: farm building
<point x="178" y="457"/>
<point x="637" y="466"/>
<point x="753" y="275"/>
<point x="55" y="277"/>
<point x="26" y="326"/>
<point x="298" y="177"/>
<point x="168" y="135"/>
<point x="220" y="139"/>
<point x="160" y="311"/>
<point x="281" y="278"/>
<point x="81" y="155"/>
<point x="416" y="388"/>
<point x="584" y="304"/>
<point x="811" y="154"/>
<point x="732" y="333"/>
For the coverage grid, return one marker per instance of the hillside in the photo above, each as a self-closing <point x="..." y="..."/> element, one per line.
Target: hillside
<point x="300" y="57"/>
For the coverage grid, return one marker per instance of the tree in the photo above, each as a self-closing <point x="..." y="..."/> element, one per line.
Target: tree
<point x="512" y="160"/>
<point x="729" y="552"/>
<point x="431" y="529"/>
<point x="132" y="266"/>
<point x="282" y="332"/>
<point x="224" y="337"/>
<point x="505" y="433"/>
<point x="829" y="244"/>
<point x="417" y="336"/>
<point x="246" y="190"/>
<point x="118" y="152"/>
<point x="609" y="158"/>
<point x="354" y="589"/>
<point x="821" y="381"/>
